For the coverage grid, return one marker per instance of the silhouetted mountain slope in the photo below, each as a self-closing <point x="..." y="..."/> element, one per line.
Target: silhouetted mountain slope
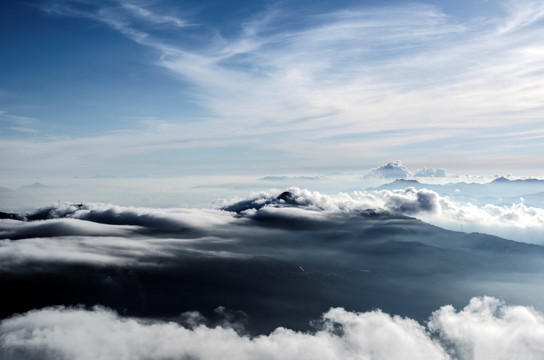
<point x="277" y="264"/>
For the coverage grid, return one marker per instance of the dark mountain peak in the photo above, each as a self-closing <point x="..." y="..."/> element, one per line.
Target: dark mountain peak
<point x="501" y="180"/>
<point x="405" y="181"/>
<point x="12" y="216"/>
<point x="36" y="185"/>
<point x="532" y="181"/>
<point x="288" y="197"/>
<point x="398" y="184"/>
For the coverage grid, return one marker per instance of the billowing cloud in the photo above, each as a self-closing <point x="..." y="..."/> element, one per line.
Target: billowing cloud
<point x="77" y="333"/>
<point x="391" y="170"/>
<point x="517" y="221"/>
<point x="484" y="329"/>
<point x="488" y="329"/>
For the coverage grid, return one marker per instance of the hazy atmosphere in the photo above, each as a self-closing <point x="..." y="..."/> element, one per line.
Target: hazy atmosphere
<point x="271" y="179"/>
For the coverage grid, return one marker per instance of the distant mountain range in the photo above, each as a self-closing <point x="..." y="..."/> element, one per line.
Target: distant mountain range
<point x="498" y="191"/>
<point x="497" y="184"/>
<point x="34" y="186"/>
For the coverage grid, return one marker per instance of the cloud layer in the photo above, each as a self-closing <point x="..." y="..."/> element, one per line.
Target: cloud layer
<point x="486" y="328"/>
<point x="515" y="221"/>
<point x="264" y="256"/>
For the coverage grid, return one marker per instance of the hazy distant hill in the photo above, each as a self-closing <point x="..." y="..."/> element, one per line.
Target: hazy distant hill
<point x="35" y="186"/>
<point x="500" y="190"/>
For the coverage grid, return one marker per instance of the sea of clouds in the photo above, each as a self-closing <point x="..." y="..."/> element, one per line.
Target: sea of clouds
<point x="514" y="221"/>
<point x="484" y="329"/>
<point x="517" y="221"/>
<point x="117" y="244"/>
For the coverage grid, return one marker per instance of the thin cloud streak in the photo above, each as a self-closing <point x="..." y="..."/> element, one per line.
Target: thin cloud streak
<point x="397" y="68"/>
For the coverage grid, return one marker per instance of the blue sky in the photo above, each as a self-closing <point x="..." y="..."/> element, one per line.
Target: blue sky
<point x="174" y="88"/>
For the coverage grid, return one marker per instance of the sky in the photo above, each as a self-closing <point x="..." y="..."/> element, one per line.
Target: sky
<point x="227" y="88"/>
<point x="281" y="179"/>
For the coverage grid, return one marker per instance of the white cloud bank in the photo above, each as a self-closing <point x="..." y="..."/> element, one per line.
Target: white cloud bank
<point x="516" y="221"/>
<point x="488" y="329"/>
<point x="485" y="329"/>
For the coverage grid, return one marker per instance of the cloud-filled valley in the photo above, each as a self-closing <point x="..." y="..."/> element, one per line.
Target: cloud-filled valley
<point x="444" y="205"/>
<point x="268" y="266"/>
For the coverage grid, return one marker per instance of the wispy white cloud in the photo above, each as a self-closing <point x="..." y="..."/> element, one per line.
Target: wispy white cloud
<point x="152" y="17"/>
<point x="410" y="69"/>
<point x="23" y="124"/>
<point x="522" y="15"/>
